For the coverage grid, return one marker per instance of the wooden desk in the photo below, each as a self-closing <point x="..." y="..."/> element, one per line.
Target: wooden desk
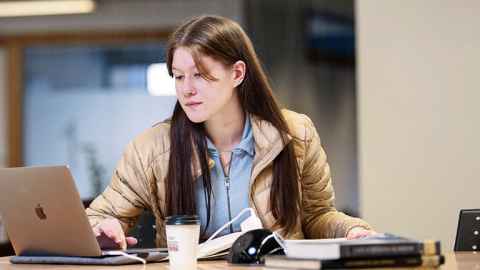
<point x="454" y="261"/>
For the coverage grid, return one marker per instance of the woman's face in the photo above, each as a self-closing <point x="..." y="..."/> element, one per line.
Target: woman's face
<point x="200" y="98"/>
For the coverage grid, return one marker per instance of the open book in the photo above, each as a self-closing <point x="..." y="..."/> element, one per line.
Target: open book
<point x="217" y="247"/>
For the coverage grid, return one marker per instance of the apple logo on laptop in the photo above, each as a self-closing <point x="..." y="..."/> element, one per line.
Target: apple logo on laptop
<point x="40" y="212"/>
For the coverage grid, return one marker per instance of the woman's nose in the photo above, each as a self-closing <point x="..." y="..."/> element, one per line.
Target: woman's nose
<point x="188" y="88"/>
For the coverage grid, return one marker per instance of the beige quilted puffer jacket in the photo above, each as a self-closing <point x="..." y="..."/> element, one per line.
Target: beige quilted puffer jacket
<point x="145" y="163"/>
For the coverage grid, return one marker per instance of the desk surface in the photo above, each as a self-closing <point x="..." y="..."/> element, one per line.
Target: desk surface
<point x="454" y="261"/>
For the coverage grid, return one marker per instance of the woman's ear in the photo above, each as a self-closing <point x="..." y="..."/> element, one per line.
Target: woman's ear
<point x="239" y="69"/>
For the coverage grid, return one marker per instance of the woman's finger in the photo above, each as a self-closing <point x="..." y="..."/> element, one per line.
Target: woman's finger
<point x="131" y="241"/>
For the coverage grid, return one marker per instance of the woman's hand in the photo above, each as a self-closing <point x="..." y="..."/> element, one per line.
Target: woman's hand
<point x="359" y="232"/>
<point x="110" y="235"/>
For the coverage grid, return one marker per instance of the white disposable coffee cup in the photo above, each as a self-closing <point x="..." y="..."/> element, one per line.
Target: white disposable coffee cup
<point x="182" y="240"/>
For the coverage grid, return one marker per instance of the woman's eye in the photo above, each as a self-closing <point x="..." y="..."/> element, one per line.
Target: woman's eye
<point x="197" y="75"/>
<point x="178" y="77"/>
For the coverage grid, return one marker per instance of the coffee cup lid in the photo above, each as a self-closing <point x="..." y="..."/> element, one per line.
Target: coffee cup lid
<point x="182" y="220"/>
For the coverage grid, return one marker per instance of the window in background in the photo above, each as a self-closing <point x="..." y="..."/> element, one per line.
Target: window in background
<point x="83" y="104"/>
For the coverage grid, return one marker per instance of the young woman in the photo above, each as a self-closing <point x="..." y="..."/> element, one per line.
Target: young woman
<point x="227" y="146"/>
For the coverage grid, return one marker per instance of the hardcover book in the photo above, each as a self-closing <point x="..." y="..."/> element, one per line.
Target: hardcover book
<point x="284" y="262"/>
<point x="376" y="246"/>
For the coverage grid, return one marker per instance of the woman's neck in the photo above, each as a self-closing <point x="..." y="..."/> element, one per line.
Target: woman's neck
<point x="225" y="129"/>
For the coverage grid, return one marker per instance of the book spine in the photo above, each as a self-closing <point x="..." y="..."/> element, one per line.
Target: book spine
<point x="386" y="250"/>
<point x="424" y="261"/>
<point x="431" y="247"/>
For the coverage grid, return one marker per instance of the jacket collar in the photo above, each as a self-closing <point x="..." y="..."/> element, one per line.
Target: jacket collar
<point x="268" y="144"/>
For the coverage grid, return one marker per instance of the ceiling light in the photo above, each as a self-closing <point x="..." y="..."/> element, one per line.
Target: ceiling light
<point x="52" y="7"/>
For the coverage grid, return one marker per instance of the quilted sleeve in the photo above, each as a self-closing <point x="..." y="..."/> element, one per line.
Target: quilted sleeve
<point x="126" y="197"/>
<point x="320" y="219"/>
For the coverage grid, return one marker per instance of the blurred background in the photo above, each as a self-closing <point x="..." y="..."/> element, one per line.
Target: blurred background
<point x="390" y="85"/>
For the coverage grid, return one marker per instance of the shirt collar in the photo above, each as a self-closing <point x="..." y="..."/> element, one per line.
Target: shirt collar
<point x="246" y="144"/>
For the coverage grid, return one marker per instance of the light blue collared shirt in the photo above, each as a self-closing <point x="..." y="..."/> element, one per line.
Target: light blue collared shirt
<point x="240" y="173"/>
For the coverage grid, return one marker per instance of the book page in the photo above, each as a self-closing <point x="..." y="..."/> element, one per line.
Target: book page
<point x="217" y="245"/>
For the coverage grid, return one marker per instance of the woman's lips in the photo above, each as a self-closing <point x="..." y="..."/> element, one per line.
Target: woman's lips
<point x="193" y="104"/>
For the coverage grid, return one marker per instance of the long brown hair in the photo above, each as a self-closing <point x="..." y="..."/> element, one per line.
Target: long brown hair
<point x="224" y="40"/>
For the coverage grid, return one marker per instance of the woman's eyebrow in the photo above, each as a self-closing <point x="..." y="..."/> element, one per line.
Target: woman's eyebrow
<point x="179" y="70"/>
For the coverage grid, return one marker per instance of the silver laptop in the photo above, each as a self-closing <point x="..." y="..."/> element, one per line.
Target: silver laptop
<point x="43" y="213"/>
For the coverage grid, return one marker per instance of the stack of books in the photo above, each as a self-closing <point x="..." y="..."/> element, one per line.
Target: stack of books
<point x="382" y="250"/>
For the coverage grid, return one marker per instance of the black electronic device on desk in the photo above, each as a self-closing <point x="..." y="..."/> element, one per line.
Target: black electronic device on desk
<point x="468" y="231"/>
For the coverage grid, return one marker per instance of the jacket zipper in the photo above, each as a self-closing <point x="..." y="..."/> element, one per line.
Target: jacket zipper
<point x="226" y="174"/>
<point x="227" y="187"/>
